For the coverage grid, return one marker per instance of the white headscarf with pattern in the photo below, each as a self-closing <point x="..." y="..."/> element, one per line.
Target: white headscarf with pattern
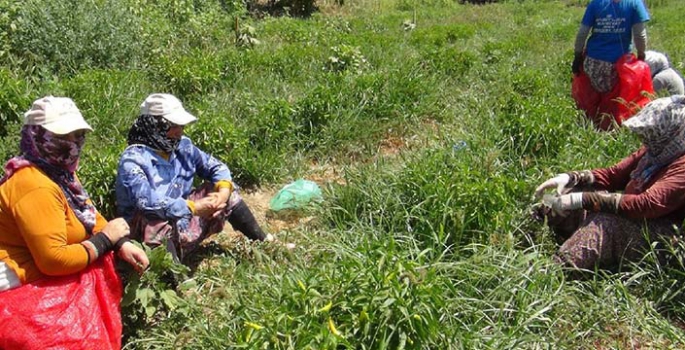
<point x="657" y="61"/>
<point x="661" y="127"/>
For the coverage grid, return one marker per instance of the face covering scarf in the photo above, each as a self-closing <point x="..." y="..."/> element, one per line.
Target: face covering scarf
<point x="58" y="158"/>
<point x="661" y="127"/>
<point x="151" y="131"/>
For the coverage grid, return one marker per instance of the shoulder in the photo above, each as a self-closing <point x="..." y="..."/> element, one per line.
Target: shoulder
<point x="135" y="157"/>
<point x="187" y="149"/>
<point x="136" y="153"/>
<point x="31" y="179"/>
<point x="639" y="7"/>
<point x="669" y="73"/>
<point x="632" y="159"/>
<point x="679" y="162"/>
<point x="677" y="168"/>
<point x="598" y="3"/>
<point x="186" y="144"/>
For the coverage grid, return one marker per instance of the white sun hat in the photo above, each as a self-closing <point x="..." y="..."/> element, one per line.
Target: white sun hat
<point x="167" y="106"/>
<point x="58" y="115"/>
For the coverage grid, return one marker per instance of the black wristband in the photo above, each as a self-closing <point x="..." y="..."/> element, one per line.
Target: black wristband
<point x="101" y="243"/>
<point x="582" y="178"/>
<point x="602" y="202"/>
<point x="120" y="243"/>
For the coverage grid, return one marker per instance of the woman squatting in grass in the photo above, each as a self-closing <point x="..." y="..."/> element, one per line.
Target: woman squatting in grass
<point x="603" y="216"/>
<point x="154" y="184"/>
<point x="57" y="277"/>
<point x="666" y="80"/>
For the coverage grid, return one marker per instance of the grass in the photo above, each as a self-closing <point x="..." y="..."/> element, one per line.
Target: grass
<point x="439" y="134"/>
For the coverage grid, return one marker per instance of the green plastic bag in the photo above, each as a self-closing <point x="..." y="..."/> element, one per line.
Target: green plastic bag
<point x="296" y="195"/>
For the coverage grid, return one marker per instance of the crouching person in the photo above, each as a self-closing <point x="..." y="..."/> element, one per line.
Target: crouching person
<point x="154" y="185"/>
<point x="610" y="215"/>
<point x="665" y="79"/>
<point x="58" y="285"/>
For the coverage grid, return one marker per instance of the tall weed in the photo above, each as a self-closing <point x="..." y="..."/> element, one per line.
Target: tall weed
<point x="67" y="36"/>
<point x="16" y="95"/>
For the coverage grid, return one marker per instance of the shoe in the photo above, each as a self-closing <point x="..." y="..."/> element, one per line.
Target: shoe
<point x="241" y="219"/>
<point x="272" y="238"/>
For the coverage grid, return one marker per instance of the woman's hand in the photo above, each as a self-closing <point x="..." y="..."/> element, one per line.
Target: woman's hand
<point x="220" y="200"/>
<point x="116" y="229"/>
<point x="567" y="202"/>
<point x="222" y="195"/>
<point x="560" y="182"/>
<point x="135" y="256"/>
<point x="209" y="207"/>
<point x="577" y="63"/>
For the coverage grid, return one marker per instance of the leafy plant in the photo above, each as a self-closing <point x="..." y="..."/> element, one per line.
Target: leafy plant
<point x="67" y="36"/>
<point x="152" y="293"/>
<point x="15" y="98"/>
<point x="8" y="24"/>
<point x="346" y="58"/>
<point x="246" y="36"/>
<point x="185" y="74"/>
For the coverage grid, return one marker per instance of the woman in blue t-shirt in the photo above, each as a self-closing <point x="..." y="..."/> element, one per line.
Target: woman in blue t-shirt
<point x="610" y="25"/>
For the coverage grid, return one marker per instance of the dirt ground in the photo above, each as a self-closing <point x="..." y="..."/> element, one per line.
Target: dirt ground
<point x="323" y="174"/>
<point x="258" y="201"/>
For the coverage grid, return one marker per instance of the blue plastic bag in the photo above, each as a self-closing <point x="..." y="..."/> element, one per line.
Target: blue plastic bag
<point x="296" y="195"/>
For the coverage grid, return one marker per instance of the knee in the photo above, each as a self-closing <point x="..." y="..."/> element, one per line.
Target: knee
<point x="576" y="257"/>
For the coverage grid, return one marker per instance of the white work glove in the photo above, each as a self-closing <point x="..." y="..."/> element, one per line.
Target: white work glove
<point x="560" y="181"/>
<point x="566" y="202"/>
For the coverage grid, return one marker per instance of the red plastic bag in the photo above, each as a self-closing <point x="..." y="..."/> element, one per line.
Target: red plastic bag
<point x="587" y="99"/>
<point x="79" y="311"/>
<point x="630" y="93"/>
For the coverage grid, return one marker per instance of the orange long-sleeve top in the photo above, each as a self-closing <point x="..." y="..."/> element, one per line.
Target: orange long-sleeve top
<point x="39" y="232"/>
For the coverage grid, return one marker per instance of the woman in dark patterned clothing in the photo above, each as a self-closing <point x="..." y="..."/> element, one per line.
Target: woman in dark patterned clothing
<point x="611" y="214"/>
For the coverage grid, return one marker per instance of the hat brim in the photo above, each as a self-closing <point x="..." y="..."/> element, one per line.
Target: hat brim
<point x="180" y="117"/>
<point x="64" y="127"/>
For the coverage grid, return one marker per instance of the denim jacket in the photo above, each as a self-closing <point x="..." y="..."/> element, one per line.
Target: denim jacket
<point x="158" y="187"/>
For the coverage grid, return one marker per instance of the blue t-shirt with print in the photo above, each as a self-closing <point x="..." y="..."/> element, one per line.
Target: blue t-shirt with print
<point x="611" y="22"/>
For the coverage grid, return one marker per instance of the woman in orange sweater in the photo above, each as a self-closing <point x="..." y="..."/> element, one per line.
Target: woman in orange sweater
<point x="57" y="279"/>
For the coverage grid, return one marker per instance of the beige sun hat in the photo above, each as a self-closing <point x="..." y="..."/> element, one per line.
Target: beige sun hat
<point x="167" y="106"/>
<point x="58" y="115"/>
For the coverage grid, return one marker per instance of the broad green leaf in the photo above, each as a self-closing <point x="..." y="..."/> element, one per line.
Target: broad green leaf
<point x="170" y="299"/>
<point x="145" y="295"/>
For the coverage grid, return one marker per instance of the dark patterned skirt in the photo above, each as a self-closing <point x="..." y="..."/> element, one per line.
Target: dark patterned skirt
<point x="182" y="237"/>
<point x="600" y="240"/>
<point x="603" y="75"/>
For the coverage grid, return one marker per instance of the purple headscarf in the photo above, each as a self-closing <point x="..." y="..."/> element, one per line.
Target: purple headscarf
<point x="58" y="158"/>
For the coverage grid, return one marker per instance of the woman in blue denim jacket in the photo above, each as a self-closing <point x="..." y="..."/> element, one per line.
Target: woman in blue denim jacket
<point x="154" y="184"/>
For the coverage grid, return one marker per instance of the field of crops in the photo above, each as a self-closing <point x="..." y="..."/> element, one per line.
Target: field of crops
<point x="426" y="123"/>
